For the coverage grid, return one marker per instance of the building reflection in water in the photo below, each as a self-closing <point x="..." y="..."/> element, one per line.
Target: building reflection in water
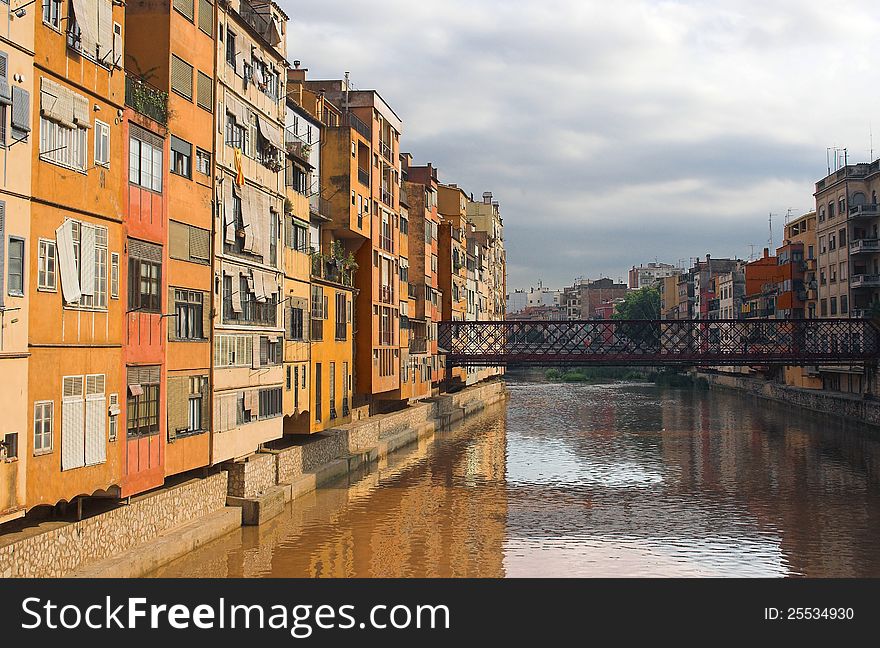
<point x="433" y="510"/>
<point x="590" y="480"/>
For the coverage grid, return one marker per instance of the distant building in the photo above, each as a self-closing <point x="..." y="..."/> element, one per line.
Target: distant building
<point x="646" y="275"/>
<point x="803" y="230"/>
<point x="535" y="296"/>
<point x="581" y="300"/>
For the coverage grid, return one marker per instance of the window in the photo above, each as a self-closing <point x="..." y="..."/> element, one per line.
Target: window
<point x="83" y="421"/>
<point x="189" y="243"/>
<point x="317" y="383"/>
<point x="841" y="206"/>
<point x="142" y="411"/>
<point x="205" y="91"/>
<point x="841" y="237"/>
<point x="270" y="402"/>
<point x="230" y="48"/>
<point x="114" y="275"/>
<point x="185" y="7"/>
<point x="44" y="416"/>
<point x="296" y="324"/>
<point x="842" y="274"/>
<point x="145" y="158"/>
<point x="144" y="276"/>
<point x="834" y="305"/>
<point x="203" y="162"/>
<point x="181" y="77"/>
<point x="52" y="13"/>
<point x="822" y="214"/>
<point x="63" y="145"/>
<point x="233" y="350"/>
<point x="46" y="277"/>
<point x="844" y="305"/>
<point x="181" y="157"/>
<point x="822" y="248"/>
<point x="236" y="134"/>
<point x="189" y="308"/>
<point x="297" y="178"/>
<point x="318" y="313"/>
<point x="15" y="273"/>
<point x="341" y="328"/>
<point x="206" y="16"/>
<point x="832" y="242"/>
<point x="297" y="236"/>
<point x="82" y="261"/>
<point x="831" y="210"/>
<point x="270" y="351"/>
<point x="332" y="390"/>
<point x="823" y="308"/>
<point x="197" y="387"/>
<point x="102" y="144"/>
<point x="113" y="430"/>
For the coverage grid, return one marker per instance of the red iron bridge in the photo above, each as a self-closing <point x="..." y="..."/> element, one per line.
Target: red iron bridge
<point x="660" y="342"/>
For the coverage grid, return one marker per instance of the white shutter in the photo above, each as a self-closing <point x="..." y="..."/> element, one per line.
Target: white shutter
<point x="96" y="421"/>
<point x="105" y="31"/>
<point x="255" y="357"/>
<point x="87" y="18"/>
<point x="259" y="290"/>
<point x="87" y="259"/>
<point x="67" y="263"/>
<point x="117" y="45"/>
<point x="72" y="432"/>
<point x="236" y="292"/>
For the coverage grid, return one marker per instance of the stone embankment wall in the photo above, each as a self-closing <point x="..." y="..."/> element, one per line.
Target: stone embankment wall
<point x="850" y="407"/>
<point x="64" y="549"/>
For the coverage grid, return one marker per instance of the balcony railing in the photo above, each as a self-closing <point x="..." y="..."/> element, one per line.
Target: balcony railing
<point x="387" y="197"/>
<point x="350" y="119"/>
<point x="364" y="176"/>
<point x="865" y="281"/>
<point x="386" y="243"/>
<point x="864" y="245"/>
<point x="320" y="207"/>
<point x="385" y="150"/>
<point x="146" y="99"/>
<point x="864" y="211"/>
<point x="330" y="271"/>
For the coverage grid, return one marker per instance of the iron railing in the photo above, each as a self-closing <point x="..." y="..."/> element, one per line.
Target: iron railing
<point x="660" y="342"/>
<point x="146" y="99"/>
<point x="350" y="119"/>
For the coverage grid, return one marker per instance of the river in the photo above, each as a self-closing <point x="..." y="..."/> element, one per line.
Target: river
<point x="618" y="479"/>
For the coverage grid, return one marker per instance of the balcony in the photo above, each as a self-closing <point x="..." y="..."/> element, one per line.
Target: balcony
<point x="320" y="208"/>
<point x="865" y="281"/>
<point x="329" y="270"/>
<point x="860" y="313"/>
<point x="861" y="246"/>
<point x="364" y="176"/>
<point x="351" y="120"/>
<point x="418" y="345"/>
<point x="864" y="211"/>
<point x="386" y="243"/>
<point x="146" y="99"/>
<point x="412" y="291"/>
<point x="385" y="150"/>
<point x="297" y="148"/>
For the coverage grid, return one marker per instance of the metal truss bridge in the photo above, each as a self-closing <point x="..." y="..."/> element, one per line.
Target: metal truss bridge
<point x="660" y="342"/>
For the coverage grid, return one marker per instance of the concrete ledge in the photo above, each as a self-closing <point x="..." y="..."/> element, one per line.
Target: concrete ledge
<point x="165" y="547"/>
<point x="259" y="509"/>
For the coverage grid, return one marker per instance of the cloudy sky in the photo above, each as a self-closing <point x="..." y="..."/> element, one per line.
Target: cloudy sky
<point x="614" y="133"/>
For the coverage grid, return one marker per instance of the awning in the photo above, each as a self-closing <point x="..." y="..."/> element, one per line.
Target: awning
<point x="259" y="291"/>
<point x="236" y="294"/>
<point x="270" y="132"/>
<point x="249" y="218"/>
<point x="56" y="103"/>
<point x="237" y="108"/>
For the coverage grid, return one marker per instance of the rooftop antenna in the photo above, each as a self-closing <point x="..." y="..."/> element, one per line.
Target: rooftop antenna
<point x="871" y="141"/>
<point x="752" y="253"/>
<point x="770" y="220"/>
<point x="346" y="90"/>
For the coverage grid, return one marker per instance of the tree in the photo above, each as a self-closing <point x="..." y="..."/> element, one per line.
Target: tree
<point x="641" y="304"/>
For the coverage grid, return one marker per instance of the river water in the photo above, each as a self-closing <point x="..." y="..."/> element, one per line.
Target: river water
<point x="619" y="479"/>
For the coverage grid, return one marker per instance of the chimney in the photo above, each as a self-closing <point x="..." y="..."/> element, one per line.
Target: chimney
<point x="296" y="74"/>
<point x="487" y="197"/>
<point x="766" y="252"/>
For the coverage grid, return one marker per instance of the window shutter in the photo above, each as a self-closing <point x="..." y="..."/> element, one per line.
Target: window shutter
<point x="255" y="358"/>
<point x="199" y="244"/>
<point x="206" y="316"/>
<point x="264" y="350"/>
<point x="178" y="240"/>
<point x="205" y="91"/>
<point x="117" y="45"/>
<point x="72" y="424"/>
<point x="2" y="249"/>
<point x="181" y="77"/>
<point x="146" y="251"/>
<point x="185" y="7"/>
<point x="5" y="97"/>
<point x="172" y="328"/>
<point x="288" y="323"/>
<point x="66" y="262"/>
<point x="206" y="16"/>
<point x="105" y="31"/>
<point x="87" y="259"/>
<point x="178" y="405"/>
<point x="96" y="421"/>
<point x="21" y="112"/>
<point x="206" y="404"/>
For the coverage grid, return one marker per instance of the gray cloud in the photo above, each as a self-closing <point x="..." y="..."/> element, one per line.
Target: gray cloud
<point x="613" y="134"/>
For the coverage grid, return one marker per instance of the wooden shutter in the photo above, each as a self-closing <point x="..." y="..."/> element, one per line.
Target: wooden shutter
<point x="181" y="77"/>
<point x="67" y="263"/>
<point x="72" y="424"/>
<point x="178" y="240"/>
<point x="117" y="45"/>
<point x="264" y="350"/>
<point x="87" y="259"/>
<point x="288" y="323"/>
<point x="205" y="91"/>
<point x="206" y="16"/>
<point x="199" y="244"/>
<point x="255" y="356"/>
<point x="105" y="31"/>
<point x="96" y="421"/>
<point x="178" y="405"/>
<point x="206" y="317"/>
<point x="186" y="7"/>
<point x="21" y="112"/>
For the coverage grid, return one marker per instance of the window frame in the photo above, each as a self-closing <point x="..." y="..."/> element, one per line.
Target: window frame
<point x="43" y="247"/>
<point x="102" y="132"/>
<point x="43" y="449"/>
<point x="9" y="290"/>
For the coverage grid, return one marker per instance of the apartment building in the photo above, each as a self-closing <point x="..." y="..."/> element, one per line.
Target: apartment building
<point x="77" y="303"/>
<point x="647" y="274"/>
<point x="582" y="298"/>
<point x="731" y="288"/>
<point x="704" y="273"/>
<point x="250" y="162"/>
<point x="669" y="299"/>
<point x="18" y="139"/>
<point x="361" y="162"/>
<point x="486" y="217"/>
<point x="452" y="264"/>
<point x="170" y="93"/>
<point x="802" y="230"/>
<point x="423" y="195"/>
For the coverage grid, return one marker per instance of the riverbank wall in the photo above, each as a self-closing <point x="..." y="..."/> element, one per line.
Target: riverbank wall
<point x="137" y="537"/>
<point x="852" y="408"/>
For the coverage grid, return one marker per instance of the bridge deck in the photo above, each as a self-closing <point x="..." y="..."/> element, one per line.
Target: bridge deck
<point x="661" y="342"/>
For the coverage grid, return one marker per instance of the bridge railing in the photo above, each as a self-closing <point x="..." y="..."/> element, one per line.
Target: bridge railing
<point x="652" y="342"/>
